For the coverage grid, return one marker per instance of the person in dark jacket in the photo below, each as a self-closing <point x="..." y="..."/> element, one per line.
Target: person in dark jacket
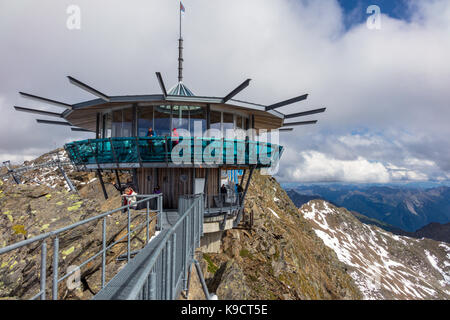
<point x="150" y="134"/>
<point x="223" y="192"/>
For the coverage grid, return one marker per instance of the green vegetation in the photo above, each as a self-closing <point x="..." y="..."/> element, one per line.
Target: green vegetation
<point x="212" y="267"/>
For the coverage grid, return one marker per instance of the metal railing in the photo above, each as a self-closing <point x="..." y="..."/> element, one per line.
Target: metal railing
<point x="55" y="236"/>
<point x="126" y="150"/>
<point x="223" y="202"/>
<point x="161" y="270"/>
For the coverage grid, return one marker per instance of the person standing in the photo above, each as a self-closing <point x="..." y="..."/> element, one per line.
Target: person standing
<point x="150" y="134"/>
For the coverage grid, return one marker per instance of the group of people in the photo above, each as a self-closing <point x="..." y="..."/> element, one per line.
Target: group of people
<point x="151" y="133"/>
<point x="129" y="195"/>
<point x="237" y="189"/>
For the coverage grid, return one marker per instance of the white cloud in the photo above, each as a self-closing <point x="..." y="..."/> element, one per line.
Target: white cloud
<point x="316" y="166"/>
<point x="391" y="83"/>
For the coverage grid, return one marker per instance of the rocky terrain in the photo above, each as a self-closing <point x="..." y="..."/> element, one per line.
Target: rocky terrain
<point x="280" y="257"/>
<point x="383" y="265"/>
<point x="317" y="252"/>
<point x="42" y="204"/>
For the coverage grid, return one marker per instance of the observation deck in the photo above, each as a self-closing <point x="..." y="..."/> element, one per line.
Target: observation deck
<point x="153" y="152"/>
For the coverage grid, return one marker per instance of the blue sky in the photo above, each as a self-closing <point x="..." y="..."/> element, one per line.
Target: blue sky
<point x="355" y="10"/>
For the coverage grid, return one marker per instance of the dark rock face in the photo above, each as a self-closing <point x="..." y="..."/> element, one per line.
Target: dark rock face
<point x="435" y="231"/>
<point x="232" y="282"/>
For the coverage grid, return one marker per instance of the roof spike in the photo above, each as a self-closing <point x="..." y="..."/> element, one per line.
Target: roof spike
<point x="41" y="99"/>
<point x="60" y="123"/>
<point x="303" y="123"/>
<point x="89" y="89"/>
<point x="233" y="93"/>
<point x="287" y="102"/>
<point x="304" y="113"/>
<point x="41" y="112"/>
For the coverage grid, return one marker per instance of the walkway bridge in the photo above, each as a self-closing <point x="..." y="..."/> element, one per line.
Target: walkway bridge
<point x="159" y="271"/>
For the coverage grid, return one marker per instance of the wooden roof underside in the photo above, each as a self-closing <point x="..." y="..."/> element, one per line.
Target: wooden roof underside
<point x="86" y="118"/>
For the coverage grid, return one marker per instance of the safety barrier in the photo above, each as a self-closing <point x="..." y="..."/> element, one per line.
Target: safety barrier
<point x="55" y="236"/>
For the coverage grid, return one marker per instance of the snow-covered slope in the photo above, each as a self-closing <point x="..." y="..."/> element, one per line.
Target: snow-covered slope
<point x="383" y="265"/>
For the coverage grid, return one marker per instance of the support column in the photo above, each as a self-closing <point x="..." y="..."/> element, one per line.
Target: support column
<point x="100" y="178"/>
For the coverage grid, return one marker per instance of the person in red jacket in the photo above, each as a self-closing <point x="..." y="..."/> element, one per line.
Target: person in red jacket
<point x="175" y="136"/>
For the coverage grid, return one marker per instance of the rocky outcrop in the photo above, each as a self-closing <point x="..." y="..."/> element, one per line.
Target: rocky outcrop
<point x="383" y="265"/>
<point x="279" y="257"/>
<point x="30" y="209"/>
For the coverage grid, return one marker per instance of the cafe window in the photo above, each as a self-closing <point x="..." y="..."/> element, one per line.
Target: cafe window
<point x="162" y="120"/>
<point x="180" y="118"/>
<point x="145" y="121"/>
<point x="197" y="117"/>
<point x="216" y="120"/>
<point x="228" y="123"/>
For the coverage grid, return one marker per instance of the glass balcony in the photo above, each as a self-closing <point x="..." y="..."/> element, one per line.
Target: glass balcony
<point x="184" y="150"/>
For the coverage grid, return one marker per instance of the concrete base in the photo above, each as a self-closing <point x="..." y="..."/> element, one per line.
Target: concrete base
<point x="211" y="242"/>
<point x="212" y="233"/>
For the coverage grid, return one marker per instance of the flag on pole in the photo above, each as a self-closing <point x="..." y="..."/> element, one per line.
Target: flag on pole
<point x="182" y="7"/>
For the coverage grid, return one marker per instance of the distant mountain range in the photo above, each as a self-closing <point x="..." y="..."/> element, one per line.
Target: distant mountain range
<point x="396" y="208"/>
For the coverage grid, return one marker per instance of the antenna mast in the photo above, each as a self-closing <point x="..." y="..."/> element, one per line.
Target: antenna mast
<point x="180" y="51"/>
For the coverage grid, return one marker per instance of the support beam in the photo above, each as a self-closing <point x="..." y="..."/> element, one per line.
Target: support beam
<point x="233" y="93"/>
<point x="68" y="181"/>
<point x="97" y="126"/>
<point x="59" y="123"/>
<point x="41" y="112"/>
<point x="305" y="113"/>
<point x="287" y="102"/>
<point x="41" y="99"/>
<point x="119" y="184"/>
<point x="100" y="178"/>
<point x="161" y="84"/>
<point x="303" y="123"/>
<point x="89" y="89"/>
<point x="285" y="129"/>
<point x="80" y="130"/>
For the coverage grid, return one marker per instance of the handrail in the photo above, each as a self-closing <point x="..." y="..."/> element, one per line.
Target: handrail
<point x="161" y="268"/>
<point x="54" y="234"/>
<point x="158" y="150"/>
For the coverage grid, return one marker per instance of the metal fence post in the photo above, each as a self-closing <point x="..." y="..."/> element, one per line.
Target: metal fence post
<point x="104" y="253"/>
<point x="148" y="222"/>
<point x="173" y="261"/>
<point x="129" y="236"/>
<point x="43" y="269"/>
<point x="55" y="268"/>
<point x="152" y="285"/>
<point x="168" y="273"/>
<point x="185" y="253"/>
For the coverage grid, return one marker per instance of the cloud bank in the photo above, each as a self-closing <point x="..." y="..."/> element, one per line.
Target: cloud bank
<point x="386" y="91"/>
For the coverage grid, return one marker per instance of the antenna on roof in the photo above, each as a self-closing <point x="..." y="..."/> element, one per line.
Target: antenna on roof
<point x="180" y="48"/>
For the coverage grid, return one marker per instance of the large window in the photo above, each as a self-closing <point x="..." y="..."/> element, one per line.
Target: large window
<point x="180" y="118"/>
<point x="197" y="118"/>
<point x="122" y="122"/>
<point x="107" y="125"/>
<point x="145" y="121"/>
<point x="228" y="124"/>
<point x="162" y="121"/>
<point x="216" y="120"/>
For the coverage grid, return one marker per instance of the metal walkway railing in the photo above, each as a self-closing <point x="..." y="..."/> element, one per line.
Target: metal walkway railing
<point x="161" y="270"/>
<point x="55" y="236"/>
